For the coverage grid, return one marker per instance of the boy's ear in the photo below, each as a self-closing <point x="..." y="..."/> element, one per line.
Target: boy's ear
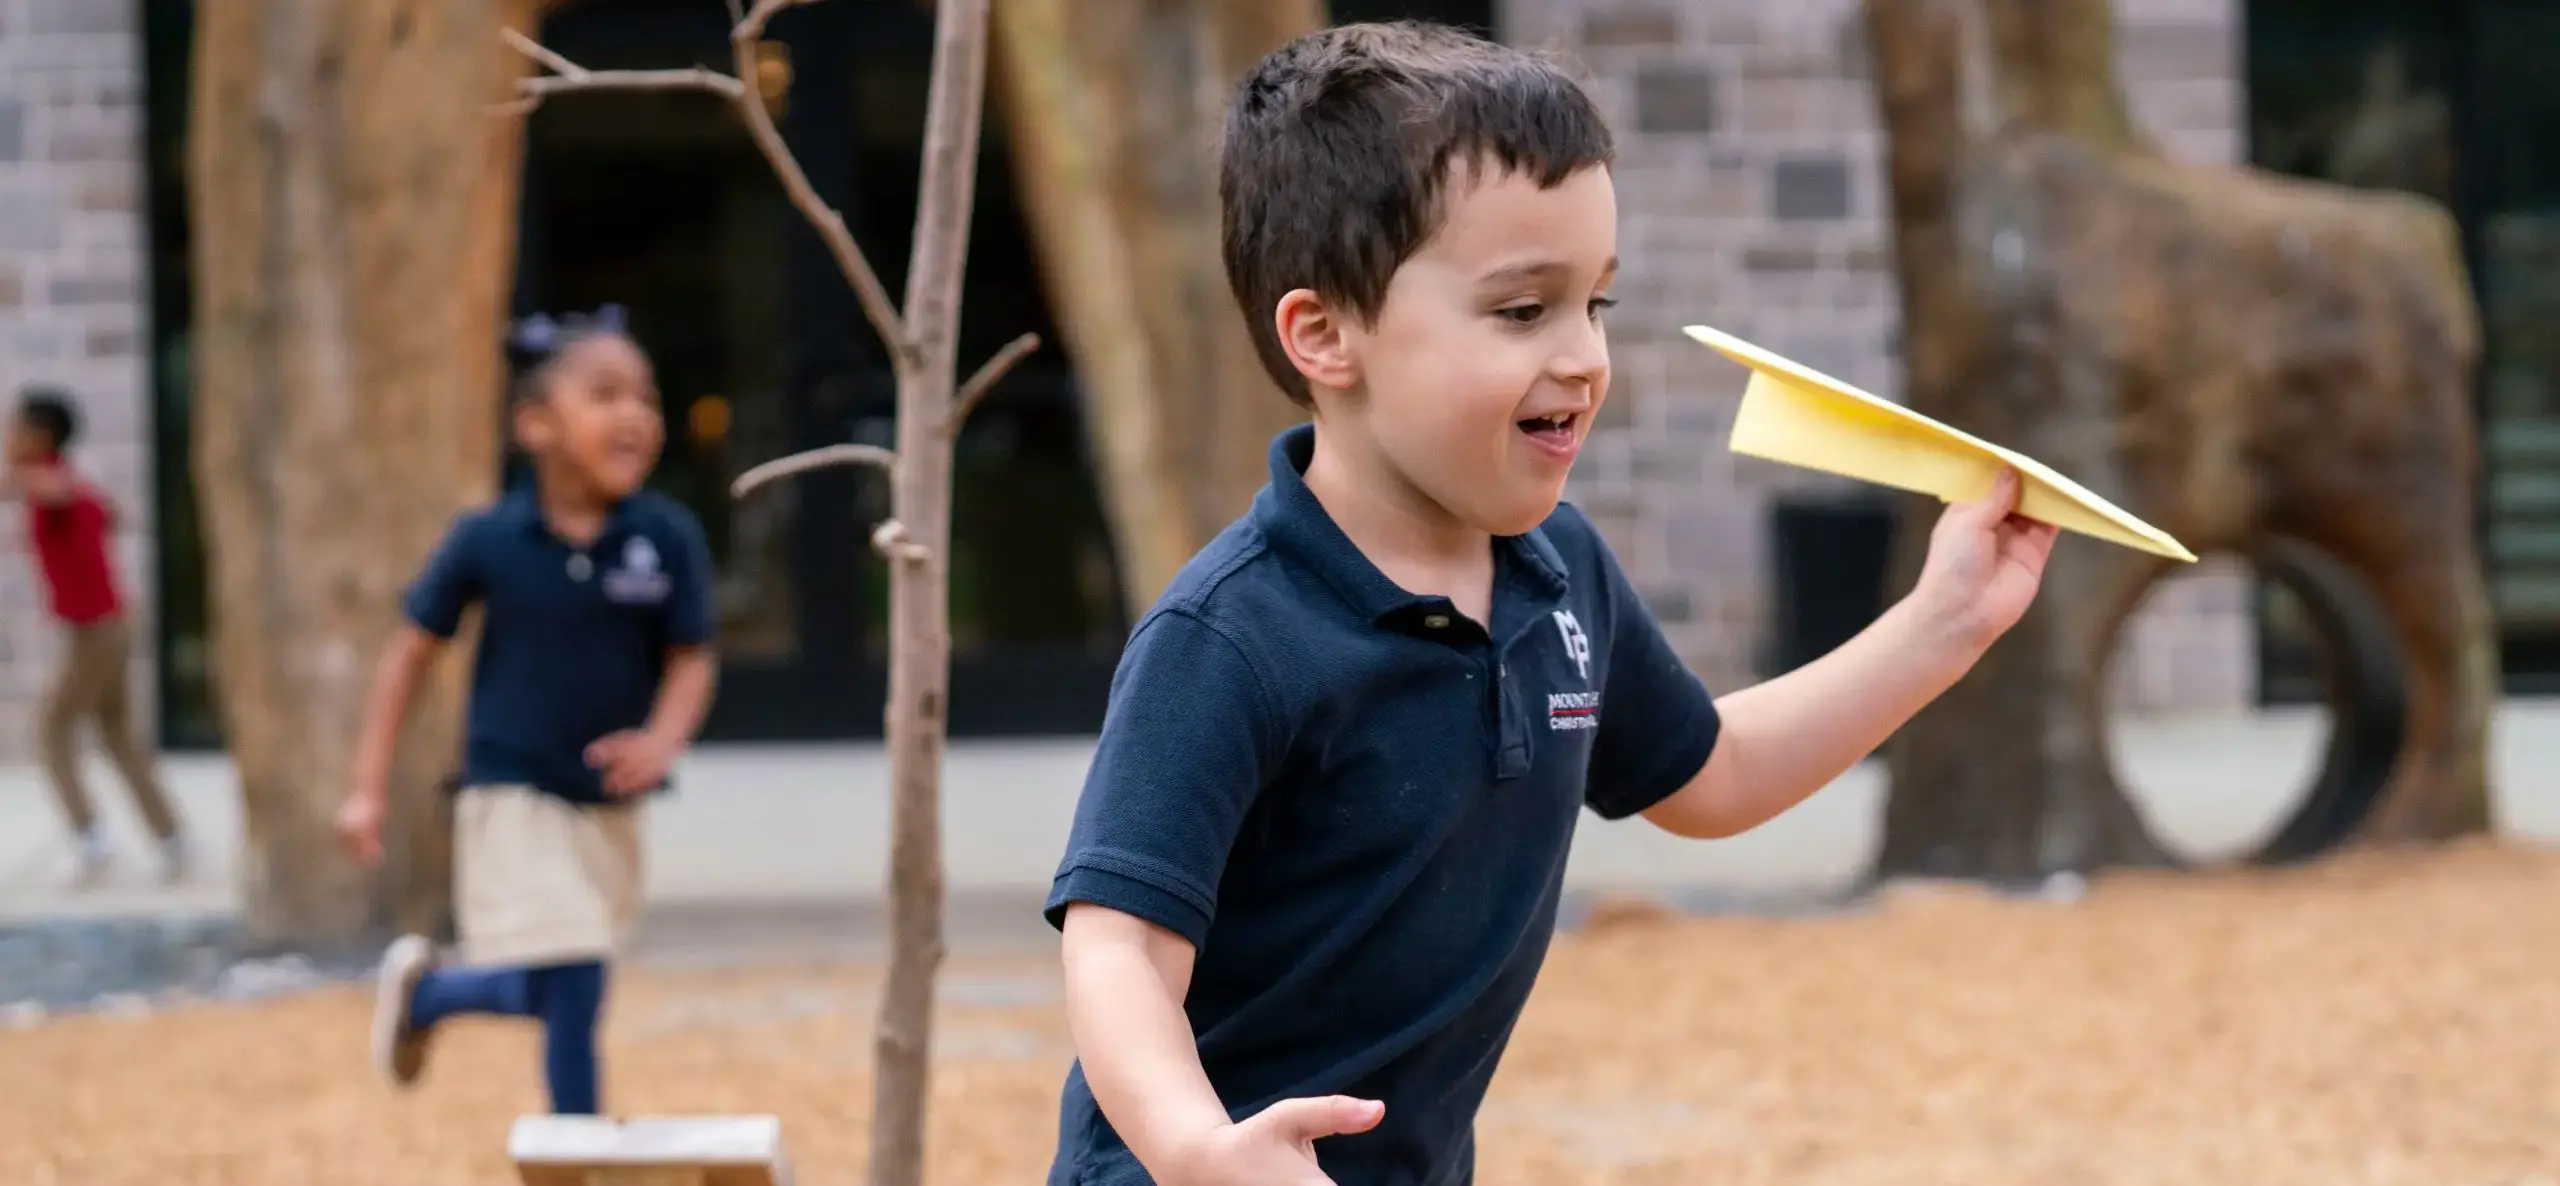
<point x="1312" y="333"/>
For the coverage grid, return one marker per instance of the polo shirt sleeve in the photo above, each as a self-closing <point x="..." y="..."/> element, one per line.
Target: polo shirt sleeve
<point x="453" y="578"/>
<point x="1658" y="722"/>
<point x="1188" y="739"/>
<point x="689" y="606"/>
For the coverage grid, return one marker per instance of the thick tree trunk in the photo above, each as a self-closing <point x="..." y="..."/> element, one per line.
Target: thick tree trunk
<point x="1113" y="109"/>
<point x="2251" y="364"/>
<point x="356" y="209"/>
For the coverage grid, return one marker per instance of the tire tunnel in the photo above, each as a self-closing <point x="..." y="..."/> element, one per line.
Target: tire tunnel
<point x="1832" y="566"/>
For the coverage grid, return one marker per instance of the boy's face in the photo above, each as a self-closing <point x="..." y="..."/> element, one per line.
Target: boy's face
<point x="598" y="415"/>
<point x="1480" y="377"/>
<point x="25" y="443"/>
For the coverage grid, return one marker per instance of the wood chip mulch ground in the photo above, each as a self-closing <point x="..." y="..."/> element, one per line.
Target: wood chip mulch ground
<point x="2375" y="1019"/>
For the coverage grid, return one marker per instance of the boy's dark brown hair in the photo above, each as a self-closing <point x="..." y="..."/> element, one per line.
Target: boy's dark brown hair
<point x="50" y="412"/>
<point x="1338" y="146"/>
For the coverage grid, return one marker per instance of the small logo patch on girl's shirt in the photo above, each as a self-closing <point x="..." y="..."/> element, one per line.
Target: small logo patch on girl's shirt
<point x="1573" y="710"/>
<point x="639" y="581"/>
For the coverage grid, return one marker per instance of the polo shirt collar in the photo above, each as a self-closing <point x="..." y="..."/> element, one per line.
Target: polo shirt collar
<point x="1289" y="515"/>
<point x="522" y="506"/>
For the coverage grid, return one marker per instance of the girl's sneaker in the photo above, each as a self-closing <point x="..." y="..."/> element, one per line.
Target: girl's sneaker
<point x="399" y="1050"/>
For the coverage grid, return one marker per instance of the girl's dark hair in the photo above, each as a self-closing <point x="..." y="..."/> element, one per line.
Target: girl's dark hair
<point x="537" y="339"/>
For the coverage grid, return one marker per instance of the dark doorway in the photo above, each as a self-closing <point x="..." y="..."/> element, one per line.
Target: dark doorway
<point x="660" y="202"/>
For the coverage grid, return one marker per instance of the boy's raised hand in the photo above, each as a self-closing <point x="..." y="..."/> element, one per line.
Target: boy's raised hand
<point x="1275" y="1146"/>
<point x="1985" y="564"/>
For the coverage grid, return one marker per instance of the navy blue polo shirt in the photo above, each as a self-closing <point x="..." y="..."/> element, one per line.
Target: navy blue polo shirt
<point x="573" y="641"/>
<point x="1356" y="804"/>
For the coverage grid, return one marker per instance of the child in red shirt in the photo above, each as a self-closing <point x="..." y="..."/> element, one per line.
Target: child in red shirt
<point x="68" y="522"/>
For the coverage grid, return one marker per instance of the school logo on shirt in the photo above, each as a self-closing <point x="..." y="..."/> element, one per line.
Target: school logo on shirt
<point x="1577" y="645"/>
<point x="1570" y="711"/>
<point x="637" y="580"/>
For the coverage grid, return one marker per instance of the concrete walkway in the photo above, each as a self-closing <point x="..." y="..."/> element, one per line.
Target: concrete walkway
<point x="804" y="827"/>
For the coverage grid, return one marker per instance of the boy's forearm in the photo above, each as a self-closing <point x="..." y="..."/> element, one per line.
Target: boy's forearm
<point x="1140" y="1058"/>
<point x="684" y="696"/>
<point x="1785" y="739"/>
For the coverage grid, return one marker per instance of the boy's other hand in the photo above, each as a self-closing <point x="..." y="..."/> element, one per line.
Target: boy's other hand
<point x="360" y="828"/>
<point x="1985" y="564"/>
<point x="1275" y="1146"/>
<point x="633" y="761"/>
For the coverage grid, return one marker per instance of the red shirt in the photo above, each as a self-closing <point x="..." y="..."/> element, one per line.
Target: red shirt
<point x="70" y="540"/>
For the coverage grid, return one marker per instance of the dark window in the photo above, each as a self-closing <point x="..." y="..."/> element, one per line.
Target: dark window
<point x="2453" y="101"/>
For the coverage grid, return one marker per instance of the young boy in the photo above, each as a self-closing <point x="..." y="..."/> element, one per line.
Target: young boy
<point x="593" y="674"/>
<point x="1317" y="860"/>
<point x="68" y="525"/>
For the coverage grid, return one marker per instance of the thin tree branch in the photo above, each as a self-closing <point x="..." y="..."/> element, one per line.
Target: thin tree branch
<point x="989" y="373"/>
<point x="542" y="53"/>
<point x="691" y="79"/>
<point x="751" y="26"/>
<point x="819" y="458"/>
<point x="890" y="540"/>
<point x="830" y="224"/>
<point x="742" y="93"/>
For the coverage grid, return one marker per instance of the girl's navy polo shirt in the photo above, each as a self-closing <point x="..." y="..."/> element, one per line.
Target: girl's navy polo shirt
<point x="573" y="641"/>
<point x="1357" y="804"/>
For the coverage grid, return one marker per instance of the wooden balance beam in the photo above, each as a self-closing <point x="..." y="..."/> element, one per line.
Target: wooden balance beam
<point x="649" y="1151"/>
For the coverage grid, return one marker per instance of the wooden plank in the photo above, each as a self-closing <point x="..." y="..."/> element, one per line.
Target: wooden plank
<point x="649" y="1151"/>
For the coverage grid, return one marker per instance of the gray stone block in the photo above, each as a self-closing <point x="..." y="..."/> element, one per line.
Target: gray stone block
<point x="1777" y="260"/>
<point x="93" y="290"/>
<point x="1631" y="28"/>
<point x="1809" y="188"/>
<point x="1854" y="58"/>
<point x="1672" y="604"/>
<point x="83" y="16"/>
<point x="1672" y="99"/>
<point x="30" y="221"/>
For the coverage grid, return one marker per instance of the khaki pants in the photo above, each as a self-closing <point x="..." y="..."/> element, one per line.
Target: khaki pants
<point x="540" y="880"/>
<point x="91" y="688"/>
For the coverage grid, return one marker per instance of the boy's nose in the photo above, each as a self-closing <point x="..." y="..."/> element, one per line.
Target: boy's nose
<point x="1584" y="356"/>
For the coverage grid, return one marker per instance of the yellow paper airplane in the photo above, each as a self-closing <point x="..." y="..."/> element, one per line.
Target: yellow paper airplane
<point x="1794" y="414"/>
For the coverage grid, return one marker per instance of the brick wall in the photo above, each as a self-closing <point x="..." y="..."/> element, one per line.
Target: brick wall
<point x="73" y="298"/>
<point x="1752" y="197"/>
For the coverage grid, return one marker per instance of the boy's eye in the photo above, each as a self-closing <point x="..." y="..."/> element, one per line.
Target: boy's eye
<point x="1522" y="314"/>
<point x="1600" y="304"/>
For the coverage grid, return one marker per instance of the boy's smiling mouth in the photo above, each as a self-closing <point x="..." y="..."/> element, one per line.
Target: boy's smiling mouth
<point x="1556" y="434"/>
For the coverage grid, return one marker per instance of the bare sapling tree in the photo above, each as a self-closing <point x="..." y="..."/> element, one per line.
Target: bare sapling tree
<point x="922" y="340"/>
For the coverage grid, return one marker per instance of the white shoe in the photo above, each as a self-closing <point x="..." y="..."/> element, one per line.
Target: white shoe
<point x="177" y="859"/>
<point x="90" y="858"/>
<point x="400" y="1052"/>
